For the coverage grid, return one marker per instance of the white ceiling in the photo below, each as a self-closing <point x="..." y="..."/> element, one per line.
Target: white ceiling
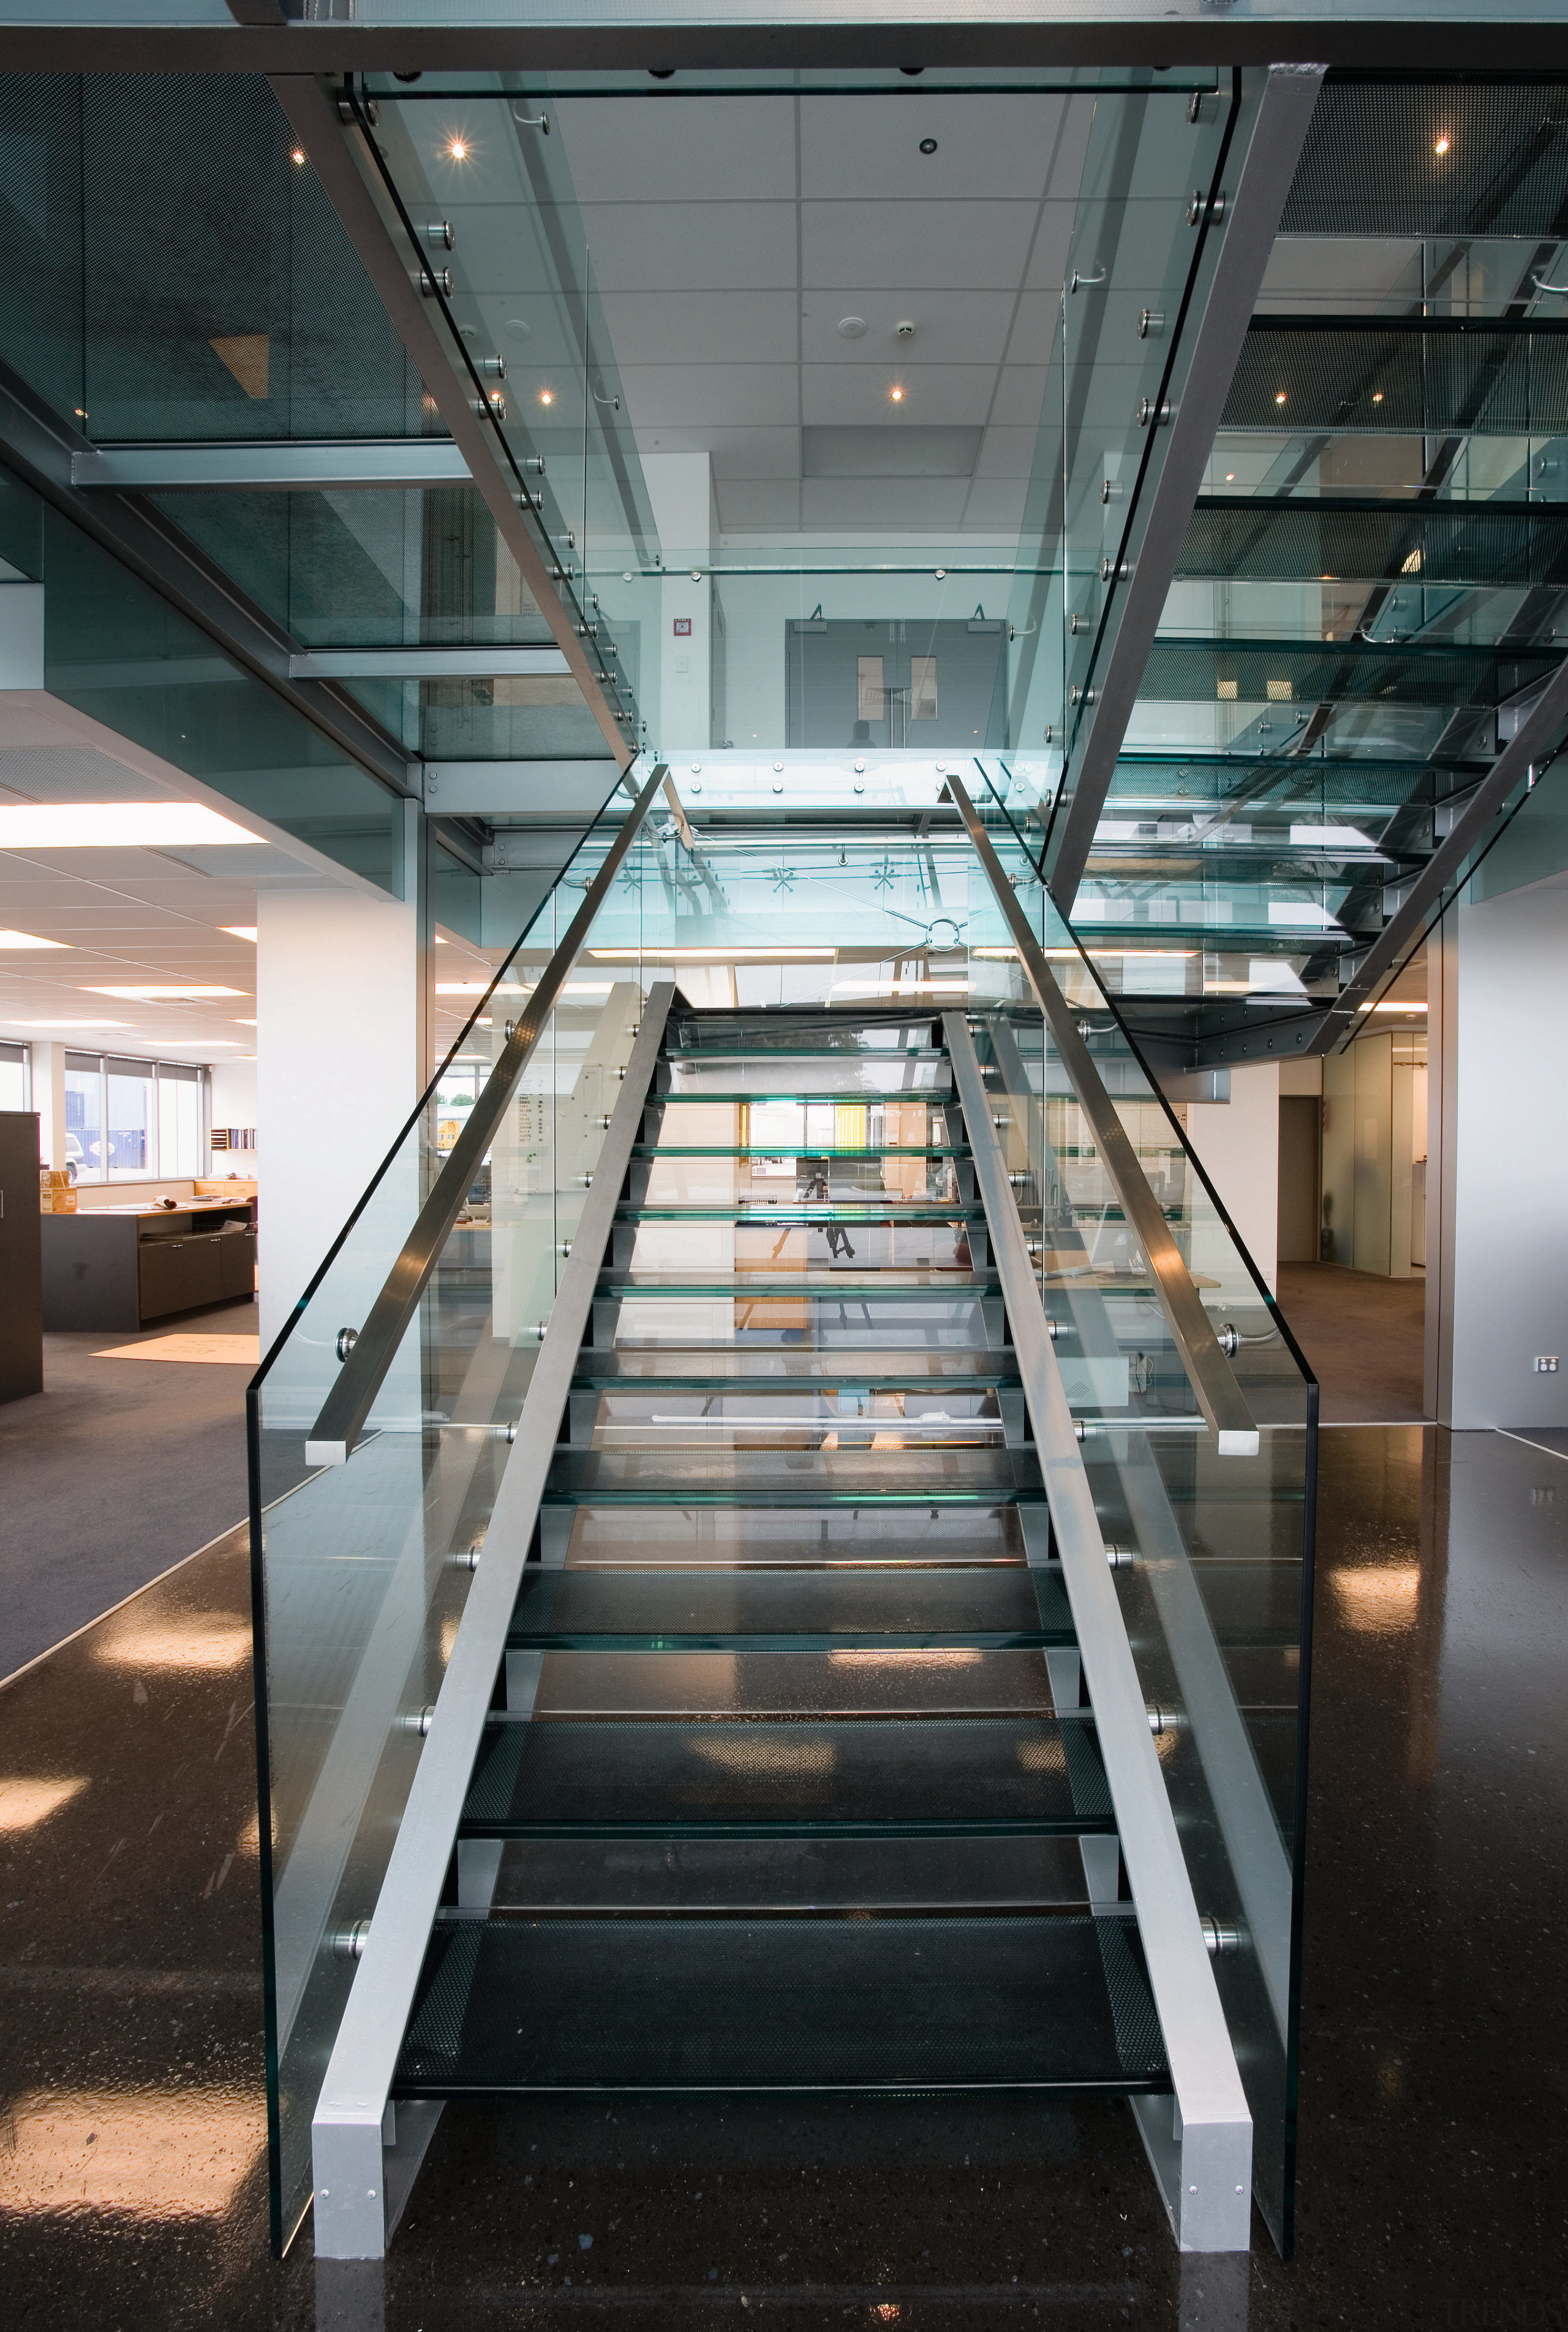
<point x="729" y="237"/>
<point x="126" y="918"/>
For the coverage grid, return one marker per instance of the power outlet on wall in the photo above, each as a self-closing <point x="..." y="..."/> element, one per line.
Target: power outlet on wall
<point x="1545" y="1364"/>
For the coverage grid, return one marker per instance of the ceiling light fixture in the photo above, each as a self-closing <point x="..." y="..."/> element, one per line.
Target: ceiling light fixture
<point x="927" y="145"/>
<point x="896" y="394"/>
<point x="546" y="396"/>
<point x="458" y="148"/>
<point x="116" y="825"/>
<point x="1279" y="396"/>
<point x="27" y="940"/>
<point x="68" y="1024"/>
<point x="1443" y="144"/>
<point x="299" y="154"/>
<point x="183" y="994"/>
<point x="239" y="930"/>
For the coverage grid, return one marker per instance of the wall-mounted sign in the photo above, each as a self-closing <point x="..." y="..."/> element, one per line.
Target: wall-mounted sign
<point x="683" y="627"/>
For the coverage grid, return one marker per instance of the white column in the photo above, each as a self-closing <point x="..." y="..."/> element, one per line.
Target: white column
<point x="1237" y="1142"/>
<point x="341" y="983"/>
<point x="681" y="490"/>
<point x="1497" y="1235"/>
<point x="47" y="1078"/>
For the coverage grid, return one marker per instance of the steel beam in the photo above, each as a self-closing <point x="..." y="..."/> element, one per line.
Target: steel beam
<point x="428" y="663"/>
<point x="1247" y="230"/>
<point x="290" y="464"/>
<point x="1202" y="2152"/>
<point x="598" y="36"/>
<point x="347" y="2128"/>
<point x="349" y="171"/>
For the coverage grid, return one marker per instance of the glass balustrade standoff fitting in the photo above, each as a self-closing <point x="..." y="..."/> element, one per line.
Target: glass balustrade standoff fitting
<point x="1121" y="568"/>
<point x="368" y="109"/>
<point x="1077" y="695"/>
<point x="1151" y="321"/>
<point x="494" y="405"/>
<point x="1120" y="1558"/>
<point x="491" y="368"/>
<point x="433" y="279"/>
<point x="1150" y="415"/>
<point x="1221" y="1941"/>
<point x="1200" y="206"/>
<point x="417" y="1720"/>
<point x="442" y="233"/>
<point x="347" y="1338"/>
<point x="348" y="1942"/>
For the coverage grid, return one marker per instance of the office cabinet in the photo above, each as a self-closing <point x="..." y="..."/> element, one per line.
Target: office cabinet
<point x="21" y="1265"/>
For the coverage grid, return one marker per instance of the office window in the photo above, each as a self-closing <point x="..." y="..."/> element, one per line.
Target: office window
<point x="179" y="1118"/>
<point x="922" y="694"/>
<point x="132" y="1121"/>
<point x="14" y="1077"/>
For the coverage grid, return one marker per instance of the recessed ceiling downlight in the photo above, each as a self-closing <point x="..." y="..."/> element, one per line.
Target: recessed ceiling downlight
<point x="852" y="328"/>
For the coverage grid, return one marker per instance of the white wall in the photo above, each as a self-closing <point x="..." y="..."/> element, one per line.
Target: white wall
<point x="1237" y="1142"/>
<point x="1498" y="1130"/>
<point x="339" y="1022"/>
<point x="233" y="1103"/>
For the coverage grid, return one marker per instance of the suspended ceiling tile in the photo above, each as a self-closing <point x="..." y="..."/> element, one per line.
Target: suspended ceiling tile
<point x="691" y="150"/>
<point x="758" y="504"/>
<point x="726" y="395"/>
<point x="1020" y="392"/>
<point x="1048" y="258"/>
<point x="1006" y="453"/>
<point x="700" y="328"/>
<point x="951" y="325"/>
<point x="899" y="505"/>
<point x="863" y="148"/>
<point x="980" y="243"/>
<point x="942" y="394"/>
<point x="747" y="246"/>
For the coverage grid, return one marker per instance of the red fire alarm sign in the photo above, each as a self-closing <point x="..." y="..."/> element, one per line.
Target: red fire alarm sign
<point x="683" y="627"/>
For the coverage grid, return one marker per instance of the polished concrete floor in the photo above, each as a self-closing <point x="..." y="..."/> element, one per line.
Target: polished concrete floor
<point x="115" y="1471"/>
<point x="1433" y="2136"/>
<point x="1364" y="1337"/>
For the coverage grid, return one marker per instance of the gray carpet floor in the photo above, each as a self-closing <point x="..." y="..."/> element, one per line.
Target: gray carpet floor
<point x="1364" y="1338"/>
<point x="113" y="1472"/>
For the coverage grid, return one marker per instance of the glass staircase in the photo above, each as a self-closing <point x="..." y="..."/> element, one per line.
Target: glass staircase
<point x="794" y="1572"/>
<point x="811" y="1809"/>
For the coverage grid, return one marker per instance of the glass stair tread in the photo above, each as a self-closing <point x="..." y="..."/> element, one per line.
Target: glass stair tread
<point x="521" y="2005"/>
<point x="823" y="1873"/>
<point x="993" y="1607"/>
<point x="662" y="1150"/>
<point x="791" y="1366"/>
<point x="883" y="1055"/>
<point x="711" y="1096"/>
<point x="806" y="1478"/>
<point x="883" y="1686"/>
<point x="746" y="1286"/>
<point x="890" y="1207"/>
<point x="667" y="1538"/>
<point x="922" y="1777"/>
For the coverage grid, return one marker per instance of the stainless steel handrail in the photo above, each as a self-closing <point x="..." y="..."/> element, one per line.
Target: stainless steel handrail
<point x="1209" y="1373"/>
<point x="347" y="1405"/>
<point x="1201" y="2153"/>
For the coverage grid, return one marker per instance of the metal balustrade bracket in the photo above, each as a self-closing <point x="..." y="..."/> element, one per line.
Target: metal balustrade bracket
<point x="352" y="2182"/>
<point x="1199" y="2138"/>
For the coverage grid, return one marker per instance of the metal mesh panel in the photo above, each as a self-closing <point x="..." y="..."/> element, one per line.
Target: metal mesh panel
<point x="1371" y="165"/>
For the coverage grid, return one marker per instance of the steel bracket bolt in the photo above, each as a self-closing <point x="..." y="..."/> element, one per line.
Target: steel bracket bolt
<point x="1150" y="413"/>
<point x="346" y="1341"/>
